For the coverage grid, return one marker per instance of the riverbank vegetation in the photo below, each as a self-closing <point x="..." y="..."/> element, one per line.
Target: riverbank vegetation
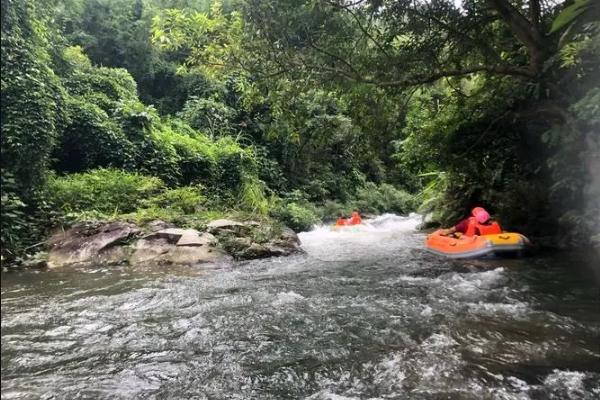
<point x="188" y="110"/>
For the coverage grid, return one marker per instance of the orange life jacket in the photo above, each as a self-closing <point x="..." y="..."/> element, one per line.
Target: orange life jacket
<point x="355" y="219"/>
<point x="475" y="228"/>
<point x="340" y="222"/>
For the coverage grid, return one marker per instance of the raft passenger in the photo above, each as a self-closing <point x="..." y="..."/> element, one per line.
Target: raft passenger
<point x="355" y="219"/>
<point x="341" y="221"/>
<point x="479" y="223"/>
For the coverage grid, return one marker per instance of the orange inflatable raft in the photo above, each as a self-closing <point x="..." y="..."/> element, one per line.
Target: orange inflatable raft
<point x="476" y="246"/>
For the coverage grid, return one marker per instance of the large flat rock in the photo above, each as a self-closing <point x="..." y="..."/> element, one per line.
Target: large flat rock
<point x="194" y="238"/>
<point x="85" y="243"/>
<point x="161" y="251"/>
<point x="171" y="234"/>
<point x="223" y="224"/>
<point x="227" y="226"/>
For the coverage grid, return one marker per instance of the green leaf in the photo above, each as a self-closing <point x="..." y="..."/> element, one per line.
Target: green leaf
<point x="569" y="14"/>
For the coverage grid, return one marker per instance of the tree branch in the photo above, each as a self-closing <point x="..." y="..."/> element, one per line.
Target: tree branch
<point x="430" y="78"/>
<point x="362" y="28"/>
<point x="535" y="13"/>
<point x="525" y="31"/>
<point x="335" y="57"/>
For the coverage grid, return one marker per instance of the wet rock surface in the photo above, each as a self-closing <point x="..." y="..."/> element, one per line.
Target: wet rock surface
<point x="163" y="243"/>
<point x="254" y="240"/>
<point x="101" y="242"/>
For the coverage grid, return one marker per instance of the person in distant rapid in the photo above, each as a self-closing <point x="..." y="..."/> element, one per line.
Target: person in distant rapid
<point x="341" y="220"/>
<point x="479" y="223"/>
<point x="355" y="219"/>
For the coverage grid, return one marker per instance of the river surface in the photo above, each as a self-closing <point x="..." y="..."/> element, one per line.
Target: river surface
<point x="361" y="315"/>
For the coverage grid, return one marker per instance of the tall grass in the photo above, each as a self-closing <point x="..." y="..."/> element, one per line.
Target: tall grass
<point x="252" y="196"/>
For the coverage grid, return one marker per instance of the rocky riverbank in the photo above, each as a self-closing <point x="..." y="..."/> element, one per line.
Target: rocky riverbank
<point x="164" y="243"/>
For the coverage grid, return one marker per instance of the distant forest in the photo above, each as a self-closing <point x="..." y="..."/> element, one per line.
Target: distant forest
<point x="299" y="110"/>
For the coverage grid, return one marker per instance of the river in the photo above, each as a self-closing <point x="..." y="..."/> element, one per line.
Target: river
<point x="361" y="315"/>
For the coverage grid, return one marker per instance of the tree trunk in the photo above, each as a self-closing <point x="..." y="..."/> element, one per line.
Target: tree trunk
<point x="528" y="32"/>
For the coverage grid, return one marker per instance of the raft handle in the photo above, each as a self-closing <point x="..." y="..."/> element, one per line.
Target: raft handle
<point x="505" y="237"/>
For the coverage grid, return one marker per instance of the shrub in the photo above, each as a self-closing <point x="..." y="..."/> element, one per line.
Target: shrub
<point x="299" y="217"/>
<point x="233" y="163"/>
<point x="157" y="157"/>
<point x="135" y="118"/>
<point x="384" y="198"/>
<point x="14" y="221"/>
<point x="104" y="190"/>
<point x="31" y="110"/>
<point x="91" y="140"/>
<point x="332" y="209"/>
<point x="196" y="161"/>
<point x="208" y="115"/>
<point x="185" y="199"/>
<point x="252" y="196"/>
<point x="221" y="164"/>
<point x="115" y="84"/>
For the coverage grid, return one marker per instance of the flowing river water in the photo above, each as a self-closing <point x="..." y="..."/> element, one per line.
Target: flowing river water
<point x="361" y="315"/>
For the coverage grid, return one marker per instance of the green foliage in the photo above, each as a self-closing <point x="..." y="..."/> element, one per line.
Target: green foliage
<point x="31" y="104"/>
<point x="108" y="191"/>
<point x="194" y="152"/>
<point x="574" y="166"/>
<point x="75" y="59"/>
<point x="24" y="226"/>
<point x="13" y="218"/>
<point x="344" y="107"/>
<point x="299" y="217"/>
<point x="384" y="198"/>
<point x="31" y="118"/>
<point x="113" y="33"/>
<point x="314" y="142"/>
<point x="105" y="87"/>
<point x="252" y="196"/>
<point x="232" y="164"/>
<point x="91" y="139"/>
<point x="220" y="164"/>
<point x="570" y="14"/>
<point x="208" y="115"/>
<point x="182" y="200"/>
<point x="212" y="41"/>
<point x="135" y="118"/>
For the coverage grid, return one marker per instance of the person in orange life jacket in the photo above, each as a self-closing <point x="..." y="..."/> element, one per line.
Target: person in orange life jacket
<point x="479" y="223"/>
<point x="355" y="219"/>
<point x="341" y="221"/>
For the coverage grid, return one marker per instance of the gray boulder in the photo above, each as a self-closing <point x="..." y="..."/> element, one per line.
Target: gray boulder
<point x="226" y="227"/>
<point x="282" y="242"/>
<point x="183" y="237"/>
<point x="255" y="250"/>
<point x="172" y="235"/>
<point x="158" y="225"/>
<point x="194" y="238"/>
<point x="162" y="251"/>
<point x="90" y="243"/>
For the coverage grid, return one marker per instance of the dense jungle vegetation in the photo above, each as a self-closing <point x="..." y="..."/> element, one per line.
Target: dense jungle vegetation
<point x="186" y="110"/>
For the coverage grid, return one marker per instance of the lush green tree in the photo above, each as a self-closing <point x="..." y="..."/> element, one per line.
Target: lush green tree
<point x="32" y="96"/>
<point x="209" y="115"/>
<point x="332" y="102"/>
<point x="31" y="118"/>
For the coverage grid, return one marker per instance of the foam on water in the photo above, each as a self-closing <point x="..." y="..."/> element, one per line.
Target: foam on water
<point x="374" y="238"/>
<point x="287" y="298"/>
<point x="364" y="314"/>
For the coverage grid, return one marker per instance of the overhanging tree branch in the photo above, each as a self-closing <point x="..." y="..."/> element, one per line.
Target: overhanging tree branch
<point x="430" y="78"/>
<point x="524" y="30"/>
